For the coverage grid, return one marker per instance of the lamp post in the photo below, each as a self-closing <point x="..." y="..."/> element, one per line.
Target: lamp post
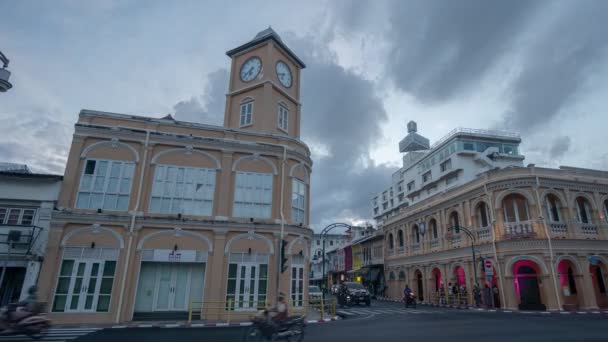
<point x="4" y="74"/>
<point x="323" y="233"/>
<point x="470" y="234"/>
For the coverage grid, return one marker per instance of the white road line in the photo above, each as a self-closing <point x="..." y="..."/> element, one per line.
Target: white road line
<point x="347" y="313"/>
<point x="385" y="311"/>
<point x="366" y="311"/>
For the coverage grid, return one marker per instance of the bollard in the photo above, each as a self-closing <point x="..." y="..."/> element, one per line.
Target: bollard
<point x="229" y="309"/>
<point x="322" y="309"/>
<point x="190" y="312"/>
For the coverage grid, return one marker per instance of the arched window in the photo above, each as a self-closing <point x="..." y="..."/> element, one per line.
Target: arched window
<point x="583" y="210"/>
<point x="400" y="237"/>
<point x="391" y="276"/>
<point x="515" y="208"/>
<point x="483" y="218"/>
<point x="454" y="220"/>
<point x="416" y="234"/>
<point x="433" y="228"/>
<point x="401" y="275"/>
<point x="246" y="112"/>
<point x="552" y="206"/>
<point x="390" y="241"/>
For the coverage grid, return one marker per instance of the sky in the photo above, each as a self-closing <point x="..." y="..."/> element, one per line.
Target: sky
<point x="535" y="67"/>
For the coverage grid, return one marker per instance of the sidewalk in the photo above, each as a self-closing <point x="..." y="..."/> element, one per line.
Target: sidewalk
<point x="467" y="307"/>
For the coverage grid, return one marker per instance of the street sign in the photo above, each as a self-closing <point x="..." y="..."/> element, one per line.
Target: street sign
<point x="488" y="263"/>
<point x="488" y="268"/>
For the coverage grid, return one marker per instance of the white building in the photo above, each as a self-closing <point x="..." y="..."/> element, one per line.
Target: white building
<point x="26" y="202"/>
<point x="453" y="160"/>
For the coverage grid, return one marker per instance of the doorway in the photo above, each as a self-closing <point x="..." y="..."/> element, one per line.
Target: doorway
<point x="527" y="286"/>
<point x="419" y="285"/>
<point x="169" y="287"/>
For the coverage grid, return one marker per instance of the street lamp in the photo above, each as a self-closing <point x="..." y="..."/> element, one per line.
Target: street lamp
<point x="323" y="233"/>
<point x="470" y="234"/>
<point x="4" y="74"/>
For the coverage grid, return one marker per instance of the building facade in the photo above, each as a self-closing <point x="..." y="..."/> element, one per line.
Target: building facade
<point x="541" y="233"/>
<point x="26" y="202"/>
<point x="332" y="242"/>
<point x="157" y="216"/>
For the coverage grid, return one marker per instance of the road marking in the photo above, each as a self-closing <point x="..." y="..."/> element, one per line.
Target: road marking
<point x="366" y="311"/>
<point x="385" y="311"/>
<point x="55" y="335"/>
<point x="347" y="313"/>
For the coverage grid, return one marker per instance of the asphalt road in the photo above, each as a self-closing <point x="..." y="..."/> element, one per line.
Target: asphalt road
<point x="388" y="322"/>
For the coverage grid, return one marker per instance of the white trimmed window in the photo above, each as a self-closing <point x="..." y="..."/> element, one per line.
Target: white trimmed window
<point x="253" y="195"/>
<point x="17" y="216"/>
<point x="283" y="118"/>
<point x="298" y="201"/>
<point x="183" y="190"/>
<point x="246" y="113"/>
<point x="105" y="184"/>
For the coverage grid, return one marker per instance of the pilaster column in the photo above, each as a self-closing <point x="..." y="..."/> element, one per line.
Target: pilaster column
<point x="216" y="276"/>
<point x="226" y="180"/>
<point x="512" y="301"/>
<point x="589" y="301"/>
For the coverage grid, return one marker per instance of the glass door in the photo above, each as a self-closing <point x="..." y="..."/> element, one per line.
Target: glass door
<point x="164" y="288"/>
<point x="242" y="289"/>
<point x="181" y="285"/>
<point x="297" y="285"/>
<point x="76" y="286"/>
<point x="91" y="288"/>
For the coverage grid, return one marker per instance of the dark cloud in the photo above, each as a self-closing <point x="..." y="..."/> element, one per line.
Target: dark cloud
<point x="440" y="48"/>
<point x="35" y="138"/>
<point x="212" y="113"/>
<point x="558" y="64"/>
<point x="560" y="146"/>
<point x="342" y="113"/>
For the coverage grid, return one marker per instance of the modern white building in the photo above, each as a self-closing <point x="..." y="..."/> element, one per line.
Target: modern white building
<point x="453" y="160"/>
<point x="26" y="202"/>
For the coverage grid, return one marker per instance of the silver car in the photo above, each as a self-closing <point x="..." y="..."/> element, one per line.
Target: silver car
<point x="314" y="294"/>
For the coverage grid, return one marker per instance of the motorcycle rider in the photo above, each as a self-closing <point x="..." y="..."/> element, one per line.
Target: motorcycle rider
<point x="407" y="293"/>
<point x="29" y="303"/>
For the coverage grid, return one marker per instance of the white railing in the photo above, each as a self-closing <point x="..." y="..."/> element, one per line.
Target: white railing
<point x="558" y="228"/>
<point x="456" y="239"/>
<point x="484" y="233"/>
<point x="521" y="229"/>
<point x="434" y="243"/>
<point x="401" y="250"/>
<point x="587" y="228"/>
<point x="416" y="246"/>
<point x="500" y="134"/>
<point x="391" y="252"/>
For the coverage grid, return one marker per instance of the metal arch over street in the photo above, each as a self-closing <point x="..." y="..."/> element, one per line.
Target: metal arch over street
<point x="323" y="233"/>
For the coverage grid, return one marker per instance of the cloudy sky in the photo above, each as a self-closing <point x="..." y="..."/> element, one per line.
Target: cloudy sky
<point x="536" y="67"/>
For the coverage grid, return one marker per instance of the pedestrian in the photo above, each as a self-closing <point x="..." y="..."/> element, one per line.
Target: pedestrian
<point x="477" y="295"/>
<point x="496" y="297"/>
<point x="441" y="295"/>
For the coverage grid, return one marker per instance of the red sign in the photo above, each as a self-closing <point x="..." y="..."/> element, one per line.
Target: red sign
<point x="488" y="264"/>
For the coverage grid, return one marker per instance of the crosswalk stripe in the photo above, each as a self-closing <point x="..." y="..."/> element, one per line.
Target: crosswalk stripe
<point x="384" y="311"/>
<point x="366" y="311"/>
<point x="54" y="335"/>
<point x="348" y="313"/>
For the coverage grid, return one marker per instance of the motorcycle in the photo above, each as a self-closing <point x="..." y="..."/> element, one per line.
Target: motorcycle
<point x="410" y="300"/>
<point x="33" y="324"/>
<point x="291" y="330"/>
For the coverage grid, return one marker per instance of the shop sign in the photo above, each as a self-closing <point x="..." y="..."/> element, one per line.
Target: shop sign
<point x="170" y="255"/>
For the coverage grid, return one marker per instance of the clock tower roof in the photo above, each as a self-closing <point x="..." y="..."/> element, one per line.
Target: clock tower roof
<point x="263" y="36"/>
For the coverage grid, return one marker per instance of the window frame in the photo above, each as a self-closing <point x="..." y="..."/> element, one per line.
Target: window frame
<point x="516" y="212"/>
<point x="446" y="165"/>
<point x="301" y="185"/>
<point x="106" y="183"/>
<point x="550" y="209"/>
<point x="253" y="204"/>
<point x="247" y="103"/>
<point x="586" y="207"/>
<point x="172" y="197"/>
<point x="427" y="177"/>
<point x="4" y="218"/>
<point x="283" y="118"/>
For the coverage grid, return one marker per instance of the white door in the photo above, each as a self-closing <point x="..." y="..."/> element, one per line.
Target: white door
<point x="297" y="285"/>
<point x="251" y="285"/>
<point x="84" y="286"/>
<point x="181" y="287"/>
<point x="164" y="287"/>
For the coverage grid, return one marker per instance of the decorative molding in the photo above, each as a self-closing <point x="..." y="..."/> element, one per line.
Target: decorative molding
<point x="177" y="232"/>
<point x="114" y="143"/>
<point x="523" y="192"/>
<point x="189" y="149"/>
<point x="297" y="166"/>
<point x="299" y="240"/>
<point x="586" y="196"/>
<point x="255" y="157"/>
<point x="538" y="261"/>
<point x="95" y="229"/>
<point x="250" y="235"/>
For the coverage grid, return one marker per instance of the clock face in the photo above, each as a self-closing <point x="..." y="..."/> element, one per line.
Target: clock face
<point x="284" y="74"/>
<point x="250" y="69"/>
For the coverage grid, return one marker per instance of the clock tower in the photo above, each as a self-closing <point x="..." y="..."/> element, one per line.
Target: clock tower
<point x="264" y="88"/>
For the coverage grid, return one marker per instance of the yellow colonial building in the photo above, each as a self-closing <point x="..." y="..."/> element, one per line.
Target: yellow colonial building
<point x="541" y="233"/>
<point x="158" y="216"/>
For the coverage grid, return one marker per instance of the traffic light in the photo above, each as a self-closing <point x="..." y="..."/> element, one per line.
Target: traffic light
<point x="284" y="265"/>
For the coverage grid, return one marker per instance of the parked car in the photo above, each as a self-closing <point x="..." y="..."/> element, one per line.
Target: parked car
<point x="314" y="294"/>
<point x="353" y="293"/>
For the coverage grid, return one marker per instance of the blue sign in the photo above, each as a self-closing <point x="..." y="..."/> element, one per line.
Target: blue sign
<point x="593" y="260"/>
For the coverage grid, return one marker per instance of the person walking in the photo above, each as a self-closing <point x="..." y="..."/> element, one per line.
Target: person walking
<point x="477" y="295"/>
<point x="407" y="296"/>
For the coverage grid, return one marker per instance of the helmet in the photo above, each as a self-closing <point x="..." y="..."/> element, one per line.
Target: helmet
<point x="32" y="290"/>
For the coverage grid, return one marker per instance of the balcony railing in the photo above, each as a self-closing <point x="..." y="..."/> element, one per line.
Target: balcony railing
<point x="416" y="247"/>
<point x="484" y="233"/>
<point x="590" y="230"/>
<point x="17" y="239"/>
<point x="519" y="230"/>
<point x="456" y="239"/>
<point x="391" y="252"/>
<point x="434" y="243"/>
<point x="401" y="250"/>
<point x="558" y="229"/>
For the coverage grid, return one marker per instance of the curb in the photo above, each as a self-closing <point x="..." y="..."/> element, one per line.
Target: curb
<point x="472" y="308"/>
<point x="185" y="325"/>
